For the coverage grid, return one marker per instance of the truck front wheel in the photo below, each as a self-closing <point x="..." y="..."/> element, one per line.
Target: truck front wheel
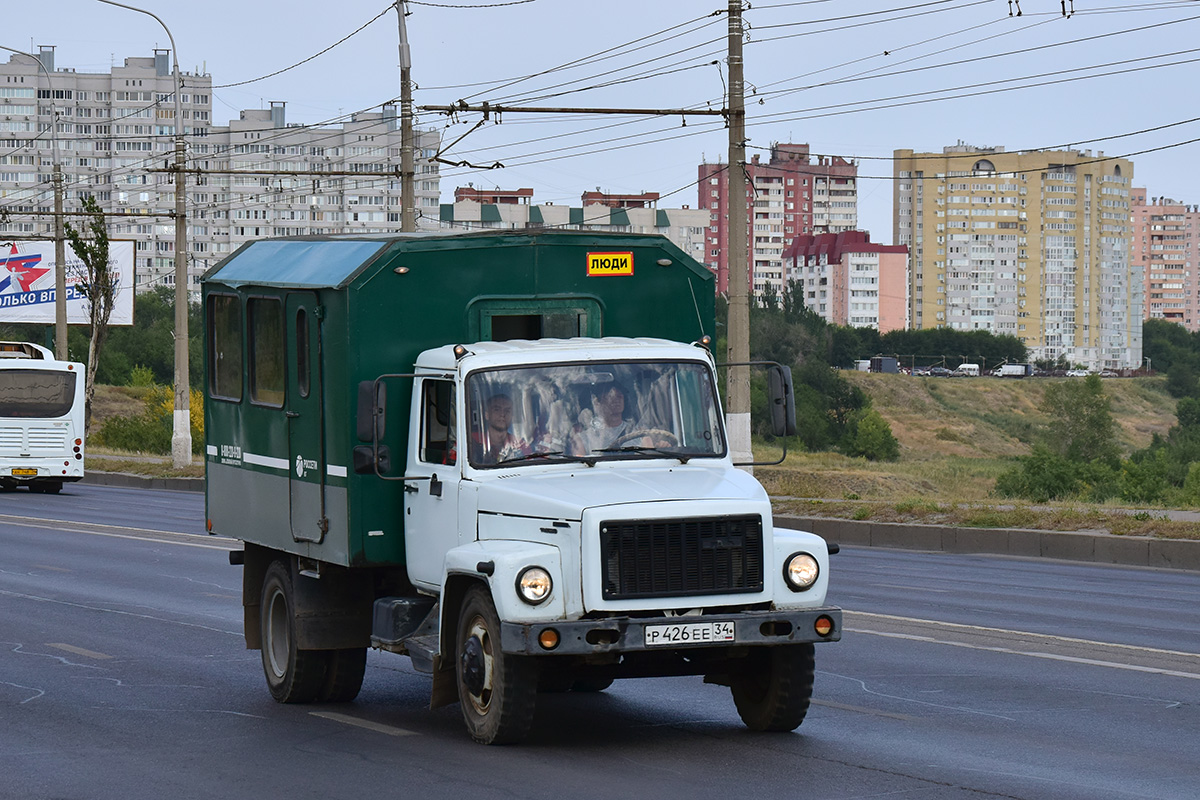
<point x="496" y="690"/>
<point x="293" y="675"/>
<point x="773" y="689"/>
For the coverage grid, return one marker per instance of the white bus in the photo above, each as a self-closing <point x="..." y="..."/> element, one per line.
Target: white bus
<point x="41" y="419"/>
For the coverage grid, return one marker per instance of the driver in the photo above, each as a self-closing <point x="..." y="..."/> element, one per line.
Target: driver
<point x="497" y="443"/>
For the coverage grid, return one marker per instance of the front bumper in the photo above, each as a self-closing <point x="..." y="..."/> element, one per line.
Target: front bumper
<point x="626" y="634"/>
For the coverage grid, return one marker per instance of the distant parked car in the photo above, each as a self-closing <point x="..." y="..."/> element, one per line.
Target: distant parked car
<point x="1077" y="373"/>
<point x="1108" y="373"/>
<point x="940" y="372"/>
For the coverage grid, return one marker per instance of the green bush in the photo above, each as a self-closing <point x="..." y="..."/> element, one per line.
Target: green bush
<point x="870" y="437"/>
<point x="141" y="376"/>
<point x="151" y="431"/>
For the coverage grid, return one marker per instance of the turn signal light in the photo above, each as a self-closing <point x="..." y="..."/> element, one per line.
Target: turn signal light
<point x="548" y="639"/>
<point x="823" y="626"/>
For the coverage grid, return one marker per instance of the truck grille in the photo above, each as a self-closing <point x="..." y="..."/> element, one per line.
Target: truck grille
<point x="681" y="557"/>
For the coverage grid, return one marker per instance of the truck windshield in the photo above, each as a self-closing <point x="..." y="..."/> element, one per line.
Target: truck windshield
<point x="591" y="412"/>
<point x="30" y="393"/>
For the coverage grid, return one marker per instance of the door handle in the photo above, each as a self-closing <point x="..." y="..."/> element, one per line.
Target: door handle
<point x="291" y="414"/>
<point x="435" y="486"/>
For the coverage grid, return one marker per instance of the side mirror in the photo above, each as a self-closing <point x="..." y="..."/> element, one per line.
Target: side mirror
<point x="371" y="412"/>
<point x="782" y="400"/>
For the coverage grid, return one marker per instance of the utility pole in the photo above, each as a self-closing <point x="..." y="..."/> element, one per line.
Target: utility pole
<point x="408" y="193"/>
<point x="737" y="410"/>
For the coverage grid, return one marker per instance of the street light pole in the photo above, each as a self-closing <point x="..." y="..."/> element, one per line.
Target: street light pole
<point x="181" y="436"/>
<point x="60" y="248"/>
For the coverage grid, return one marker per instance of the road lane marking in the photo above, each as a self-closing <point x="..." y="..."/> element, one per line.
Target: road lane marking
<point x="863" y="710"/>
<point x="363" y="723"/>
<point x="79" y="651"/>
<point x="203" y="541"/>
<point x="1063" y="642"/>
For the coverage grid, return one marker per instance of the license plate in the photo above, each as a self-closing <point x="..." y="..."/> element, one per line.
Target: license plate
<point x="24" y="472"/>
<point x="689" y="633"/>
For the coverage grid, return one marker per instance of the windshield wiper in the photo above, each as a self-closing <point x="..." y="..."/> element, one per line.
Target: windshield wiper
<point x="541" y="454"/>
<point x="634" y="448"/>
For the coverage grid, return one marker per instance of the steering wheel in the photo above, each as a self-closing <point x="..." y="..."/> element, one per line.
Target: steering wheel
<point x="655" y="435"/>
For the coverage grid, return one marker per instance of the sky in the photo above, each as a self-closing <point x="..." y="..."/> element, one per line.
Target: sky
<point x="854" y="79"/>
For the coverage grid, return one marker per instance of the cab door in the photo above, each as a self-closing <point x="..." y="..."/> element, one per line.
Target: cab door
<point x="431" y="506"/>
<point x="305" y="419"/>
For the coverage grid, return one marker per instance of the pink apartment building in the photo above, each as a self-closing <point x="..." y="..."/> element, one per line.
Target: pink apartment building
<point x="1166" y="247"/>
<point x="793" y="193"/>
<point x="849" y="280"/>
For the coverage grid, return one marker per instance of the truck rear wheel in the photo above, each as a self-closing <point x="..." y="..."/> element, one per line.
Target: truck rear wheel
<point x="293" y="675"/>
<point x="496" y="690"/>
<point x="773" y="689"/>
<point x="344" y="675"/>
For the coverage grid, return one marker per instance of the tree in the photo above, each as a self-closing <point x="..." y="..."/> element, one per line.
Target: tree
<point x="97" y="282"/>
<point x="1081" y="428"/>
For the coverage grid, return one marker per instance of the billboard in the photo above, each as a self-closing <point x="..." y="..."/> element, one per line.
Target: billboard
<point x="27" y="272"/>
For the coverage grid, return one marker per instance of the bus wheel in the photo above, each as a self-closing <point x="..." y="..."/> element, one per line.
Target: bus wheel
<point x="496" y="690"/>
<point x="772" y="691"/>
<point x="293" y="675"/>
<point x="52" y="487"/>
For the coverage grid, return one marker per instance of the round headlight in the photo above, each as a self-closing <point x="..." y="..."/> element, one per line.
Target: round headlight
<point x="533" y="585"/>
<point x="800" y="570"/>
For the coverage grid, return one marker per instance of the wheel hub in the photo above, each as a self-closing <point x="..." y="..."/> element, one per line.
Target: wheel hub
<point x="474" y="668"/>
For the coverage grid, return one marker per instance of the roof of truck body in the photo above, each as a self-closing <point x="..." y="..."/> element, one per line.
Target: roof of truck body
<point x="319" y="262"/>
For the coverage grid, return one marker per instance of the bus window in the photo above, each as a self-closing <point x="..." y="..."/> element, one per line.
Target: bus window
<point x="30" y="393"/>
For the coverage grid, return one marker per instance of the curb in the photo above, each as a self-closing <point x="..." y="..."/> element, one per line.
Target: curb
<point x="1087" y="546"/>
<point x="127" y="480"/>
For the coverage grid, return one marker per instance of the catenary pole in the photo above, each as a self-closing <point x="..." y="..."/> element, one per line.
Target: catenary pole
<point x="408" y="193"/>
<point x="737" y="410"/>
<point x="181" y="435"/>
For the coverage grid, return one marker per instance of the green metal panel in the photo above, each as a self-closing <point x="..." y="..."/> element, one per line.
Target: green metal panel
<point x="488" y="212"/>
<point x="535" y="215"/>
<point x="619" y="217"/>
<point x="412" y="293"/>
<point x="446" y="212"/>
<point x="576" y="217"/>
<point x="661" y="220"/>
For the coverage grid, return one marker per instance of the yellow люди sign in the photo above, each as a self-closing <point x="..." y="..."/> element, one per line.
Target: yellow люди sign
<point x="610" y="263"/>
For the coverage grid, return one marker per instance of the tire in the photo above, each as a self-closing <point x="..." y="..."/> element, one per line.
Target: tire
<point x="52" y="487"/>
<point x="591" y="684"/>
<point x="497" y="691"/>
<point x="343" y="675"/>
<point x="774" y="688"/>
<point x="293" y="675"/>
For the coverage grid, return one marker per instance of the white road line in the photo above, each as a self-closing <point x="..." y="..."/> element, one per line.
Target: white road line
<point x="79" y="651"/>
<point x="203" y="541"/>
<point x="363" y="723"/>
<point x="951" y="626"/>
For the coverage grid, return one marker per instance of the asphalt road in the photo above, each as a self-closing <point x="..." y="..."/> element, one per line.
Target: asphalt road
<point x="123" y="675"/>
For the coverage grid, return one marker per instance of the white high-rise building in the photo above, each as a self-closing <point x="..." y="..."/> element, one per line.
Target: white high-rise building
<point x="113" y="134"/>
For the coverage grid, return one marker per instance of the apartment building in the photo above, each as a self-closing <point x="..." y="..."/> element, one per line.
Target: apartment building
<point x="1166" y="250"/>
<point x="791" y="194"/>
<point x="498" y="209"/>
<point x="113" y="134"/>
<point x="1035" y="245"/>
<point x="850" y="280"/>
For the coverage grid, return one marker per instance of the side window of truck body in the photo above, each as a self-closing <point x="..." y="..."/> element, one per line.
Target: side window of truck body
<point x="268" y="351"/>
<point x="438" y="443"/>
<point x="225" y="347"/>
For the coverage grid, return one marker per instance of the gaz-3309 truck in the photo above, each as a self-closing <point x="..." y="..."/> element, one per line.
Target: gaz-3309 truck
<point x="502" y="455"/>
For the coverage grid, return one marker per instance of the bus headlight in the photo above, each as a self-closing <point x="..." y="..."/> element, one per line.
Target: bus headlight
<point x="800" y="571"/>
<point x="534" y="585"/>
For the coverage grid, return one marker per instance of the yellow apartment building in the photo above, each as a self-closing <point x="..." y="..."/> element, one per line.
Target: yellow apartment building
<point x="1035" y="245"/>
